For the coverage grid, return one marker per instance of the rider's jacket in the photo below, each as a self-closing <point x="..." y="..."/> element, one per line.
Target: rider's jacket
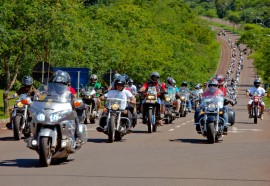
<point x="124" y="94"/>
<point x="260" y="91"/>
<point x="30" y="92"/>
<point x="159" y="86"/>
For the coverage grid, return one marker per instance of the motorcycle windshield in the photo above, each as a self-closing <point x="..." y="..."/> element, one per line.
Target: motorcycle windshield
<point x="195" y="93"/>
<point x="213" y="96"/>
<point x="53" y="92"/>
<point x="171" y="92"/>
<point x="89" y="92"/>
<point x="152" y="90"/>
<point x="116" y="103"/>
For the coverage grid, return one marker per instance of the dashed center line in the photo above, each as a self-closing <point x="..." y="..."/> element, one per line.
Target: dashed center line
<point x="171" y="130"/>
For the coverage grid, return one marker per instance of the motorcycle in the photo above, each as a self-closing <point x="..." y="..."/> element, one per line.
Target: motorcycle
<point x="21" y="119"/>
<point x="117" y="125"/>
<point x="211" y="122"/>
<point x="195" y="99"/>
<point x="256" y="107"/>
<point x="87" y="109"/>
<point x="184" y="97"/>
<point x="53" y="124"/>
<point x="169" y="114"/>
<point x="150" y="108"/>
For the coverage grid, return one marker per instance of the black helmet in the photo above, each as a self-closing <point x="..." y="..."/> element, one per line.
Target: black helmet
<point x="60" y="77"/>
<point x="213" y="83"/>
<point x="154" y="76"/>
<point x="93" y="78"/>
<point x="184" y="84"/>
<point x="119" y="81"/>
<point x="27" y="81"/>
<point x="257" y="83"/>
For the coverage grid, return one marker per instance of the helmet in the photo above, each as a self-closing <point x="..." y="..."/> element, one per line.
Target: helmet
<point x="170" y="81"/>
<point x="213" y="82"/>
<point x="60" y="77"/>
<point x="257" y="83"/>
<point x="184" y="84"/>
<point x="130" y="81"/>
<point x="27" y="80"/>
<point x="116" y="75"/>
<point x="126" y="77"/>
<point x="220" y="79"/>
<point x="93" y="78"/>
<point x="197" y="86"/>
<point x="154" y="76"/>
<point x="120" y="81"/>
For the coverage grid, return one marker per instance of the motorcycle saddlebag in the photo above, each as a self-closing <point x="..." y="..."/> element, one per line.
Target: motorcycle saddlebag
<point x="231" y="116"/>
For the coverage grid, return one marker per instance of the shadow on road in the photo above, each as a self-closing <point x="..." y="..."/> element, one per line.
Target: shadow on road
<point x="103" y="140"/>
<point x="8" y="138"/>
<point x="196" y="141"/>
<point x="29" y="163"/>
<point x="246" y="123"/>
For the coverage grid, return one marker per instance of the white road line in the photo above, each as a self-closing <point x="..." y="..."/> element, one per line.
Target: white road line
<point x="178" y="126"/>
<point x="183" y="123"/>
<point x="4" y="128"/>
<point x="188" y="121"/>
<point x="171" y="130"/>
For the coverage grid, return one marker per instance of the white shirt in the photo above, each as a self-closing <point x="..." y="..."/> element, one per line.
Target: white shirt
<point x="260" y="91"/>
<point x="124" y="94"/>
<point x="133" y="89"/>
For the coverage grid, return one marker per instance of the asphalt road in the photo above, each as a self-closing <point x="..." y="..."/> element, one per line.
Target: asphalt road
<point x="175" y="155"/>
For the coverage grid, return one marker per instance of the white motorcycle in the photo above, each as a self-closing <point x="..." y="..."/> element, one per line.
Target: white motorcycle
<point x="53" y="124"/>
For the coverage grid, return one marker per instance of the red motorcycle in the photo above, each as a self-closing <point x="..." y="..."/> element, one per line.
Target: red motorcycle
<point x="256" y="107"/>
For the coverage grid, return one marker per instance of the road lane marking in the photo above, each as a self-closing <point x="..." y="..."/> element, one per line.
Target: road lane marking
<point x="171" y="130"/>
<point x="178" y="126"/>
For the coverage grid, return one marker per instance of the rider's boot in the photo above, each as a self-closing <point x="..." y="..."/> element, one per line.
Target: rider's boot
<point x="198" y="128"/>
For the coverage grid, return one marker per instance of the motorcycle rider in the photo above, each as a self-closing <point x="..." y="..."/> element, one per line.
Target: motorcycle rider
<point x="122" y="93"/>
<point x="132" y="87"/>
<point x="160" y="88"/>
<point x="93" y="82"/>
<point x="71" y="89"/>
<point x="186" y="90"/>
<point x="260" y="91"/>
<point x="27" y="88"/>
<point x="63" y="79"/>
<point x="213" y="86"/>
<point x="172" y="83"/>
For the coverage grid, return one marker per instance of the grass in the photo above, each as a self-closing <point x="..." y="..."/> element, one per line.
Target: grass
<point x="11" y="103"/>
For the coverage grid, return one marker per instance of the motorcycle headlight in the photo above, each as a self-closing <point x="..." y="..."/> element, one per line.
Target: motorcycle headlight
<point x="151" y="97"/>
<point x="182" y="97"/>
<point x="167" y="99"/>
<point x="56" y="116"/>
<point x="115" y="106"/>
<point x="211" y="107"/>
<point x="19" y="104"/>
<point x="40" y="116"/>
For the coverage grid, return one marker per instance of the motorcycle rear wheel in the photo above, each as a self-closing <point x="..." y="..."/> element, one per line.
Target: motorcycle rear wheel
<point x="111" y="129"/>
<point x="45" y="153"/>
<point x="210" y="133"/>
<point x="17" y="130"/>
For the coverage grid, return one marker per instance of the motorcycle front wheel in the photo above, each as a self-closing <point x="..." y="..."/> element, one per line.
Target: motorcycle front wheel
<point x="111" y="129"/>
<point x="255" y="112"/>
<point x="210" y="133"/>
<point x="45" y="153"/>
<point x="150" y="120"/>
<point x="17" y="130"/>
